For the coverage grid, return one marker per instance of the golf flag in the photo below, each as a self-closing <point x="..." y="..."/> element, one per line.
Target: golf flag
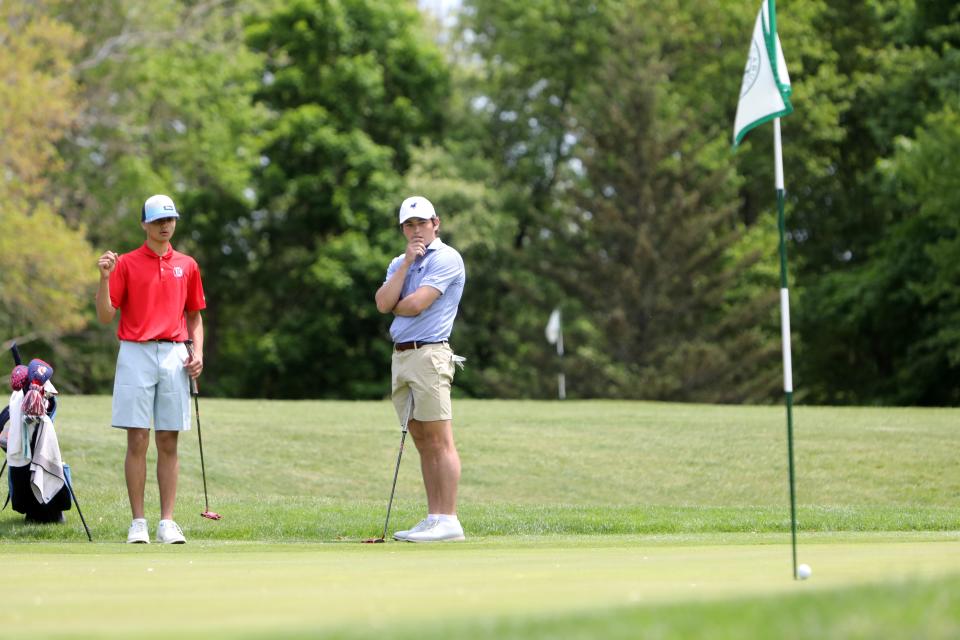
<point x="554" y="333"/>
<point x="553" y="327"/>
<point x="765" y="91"/>
<point x="765" y="96"/>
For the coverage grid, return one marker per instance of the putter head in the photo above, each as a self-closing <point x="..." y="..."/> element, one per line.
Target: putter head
<point x="211" y="515"/>
<point x="373" y="541"/>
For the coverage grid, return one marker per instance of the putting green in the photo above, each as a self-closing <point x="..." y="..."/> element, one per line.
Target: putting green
<point x="233" y="589"/>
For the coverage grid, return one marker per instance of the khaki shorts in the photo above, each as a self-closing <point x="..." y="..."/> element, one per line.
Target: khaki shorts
<point x="428" y="372"/>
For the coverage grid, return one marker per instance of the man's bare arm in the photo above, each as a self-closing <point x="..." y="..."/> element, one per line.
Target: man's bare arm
<point x="106" y="263"/>
<point x="417" y="302"/>
<point x="389" y="294"/>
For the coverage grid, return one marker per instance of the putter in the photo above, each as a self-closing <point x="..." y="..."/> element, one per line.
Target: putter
<point x="195" y="392"/>
<point x="403" y="437"/>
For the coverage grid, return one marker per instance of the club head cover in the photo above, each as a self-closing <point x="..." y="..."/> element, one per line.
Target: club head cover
<point x="18" y="377"/>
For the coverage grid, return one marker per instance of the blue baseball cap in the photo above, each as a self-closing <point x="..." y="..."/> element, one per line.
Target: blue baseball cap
<point x="158" y="207"/>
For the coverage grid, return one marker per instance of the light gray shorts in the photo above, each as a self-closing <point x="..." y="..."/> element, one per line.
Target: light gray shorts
<point x="151" y="387"/>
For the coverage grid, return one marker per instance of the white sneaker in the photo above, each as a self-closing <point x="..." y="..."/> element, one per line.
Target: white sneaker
<point x="438" y="531"/>
<point x="137" y="533"/>
<point x="169" y="532"/>
<point x="420" y="526"/>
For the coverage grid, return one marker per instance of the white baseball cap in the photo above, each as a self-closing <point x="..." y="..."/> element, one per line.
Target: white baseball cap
<point x="416" y="207"/>
<point x="158" y="207"/>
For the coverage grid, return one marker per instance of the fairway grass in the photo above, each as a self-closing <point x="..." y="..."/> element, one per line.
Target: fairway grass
<point x="499" y="587"/>
<point x="584" y="520"/>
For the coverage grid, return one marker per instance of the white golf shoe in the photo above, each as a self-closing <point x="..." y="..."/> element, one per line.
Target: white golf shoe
<point x="442" y="530"/>
<point x="420" y="526"/>
<point x="169" y="532"/>
<point x="137" y="533"/>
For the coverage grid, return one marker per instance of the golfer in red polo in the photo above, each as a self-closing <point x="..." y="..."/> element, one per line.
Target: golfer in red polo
<point x="159" y="294"/>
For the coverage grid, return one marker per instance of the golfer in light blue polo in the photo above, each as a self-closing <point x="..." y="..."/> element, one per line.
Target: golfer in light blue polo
<point x="422" y="290"/>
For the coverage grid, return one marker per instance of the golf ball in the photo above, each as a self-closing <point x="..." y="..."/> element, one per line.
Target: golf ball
<point x="804" y="571"/>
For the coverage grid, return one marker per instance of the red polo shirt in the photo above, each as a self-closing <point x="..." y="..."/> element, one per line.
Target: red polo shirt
<point x="153" y="293"/>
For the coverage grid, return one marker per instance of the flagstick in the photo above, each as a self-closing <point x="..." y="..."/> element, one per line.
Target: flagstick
<point x="561" y="377"/>
<point x="785" y="330"/>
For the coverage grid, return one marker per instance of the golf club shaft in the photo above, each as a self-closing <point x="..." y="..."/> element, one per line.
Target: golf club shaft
<point x="396" y="471"/>
<point x="203" y="469"/>
<point x="195" y="392"/>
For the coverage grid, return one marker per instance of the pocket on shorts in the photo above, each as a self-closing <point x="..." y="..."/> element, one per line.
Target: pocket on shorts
<point x="442" y="361"/>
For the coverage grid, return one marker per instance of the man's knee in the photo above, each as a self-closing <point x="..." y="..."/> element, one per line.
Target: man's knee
<point x="432" y="436"/>
<point x="137" y="441"/>
<point x="167" y="442"/>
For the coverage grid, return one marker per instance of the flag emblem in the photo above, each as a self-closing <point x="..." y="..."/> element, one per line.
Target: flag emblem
<point x="765" y="90"/>
<point x="752" y="70"/>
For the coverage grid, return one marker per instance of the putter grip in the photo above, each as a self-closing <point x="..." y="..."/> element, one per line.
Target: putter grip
<point x="194" y="389"/>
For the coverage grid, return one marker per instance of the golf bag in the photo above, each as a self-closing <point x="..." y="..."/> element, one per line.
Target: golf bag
<point x="38" y="482"/>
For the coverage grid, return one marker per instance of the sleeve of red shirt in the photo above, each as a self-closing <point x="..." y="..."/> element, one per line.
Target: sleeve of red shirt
<point x="195" y="298"/>
<point x="118" y="284"/>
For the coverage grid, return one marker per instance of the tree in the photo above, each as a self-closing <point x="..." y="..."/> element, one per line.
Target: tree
<point x="624" y="202"/>
<point x="43" y="291"/>
<point x="656" y="223"/>
<point x="352" y="86"/>
<point x="167" y="92"/>
<point x="521" y="68"/>
<point x="876" y="313"/>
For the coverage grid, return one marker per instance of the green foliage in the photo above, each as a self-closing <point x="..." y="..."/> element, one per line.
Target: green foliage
<point x="44" y="291"/>
<point x="42" y="258"/>
<point x="168" y="108"/>
<point x="624" y="203"/>
<point x="351" y="86"/>
<point x="878" y="304"/>
<point x="660" y="233"/>
<point x="38" y="98"/>
<point x="896" y="316"/>
<point x="364" y="61"/>
<point x="524" y="66"/>
<point x="578" y="156"/>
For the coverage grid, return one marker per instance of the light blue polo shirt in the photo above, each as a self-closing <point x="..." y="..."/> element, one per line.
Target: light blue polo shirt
<point x="441" y="268"/>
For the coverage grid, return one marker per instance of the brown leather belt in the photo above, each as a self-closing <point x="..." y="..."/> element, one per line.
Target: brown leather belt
<point x="406" y="346"/>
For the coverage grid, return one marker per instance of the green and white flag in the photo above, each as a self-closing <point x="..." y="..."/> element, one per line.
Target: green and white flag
<point x="765" y="92"/>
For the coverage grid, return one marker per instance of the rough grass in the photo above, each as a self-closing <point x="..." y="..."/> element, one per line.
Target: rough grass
<point x="322" y="470"/>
